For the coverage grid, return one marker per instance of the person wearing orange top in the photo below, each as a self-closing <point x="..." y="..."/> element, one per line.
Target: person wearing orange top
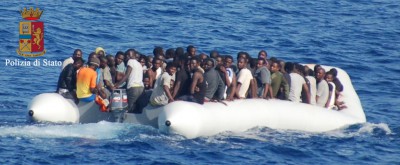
<point x="86" y="81"/>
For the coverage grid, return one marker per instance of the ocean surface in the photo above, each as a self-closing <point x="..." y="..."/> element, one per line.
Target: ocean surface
<point x="361" y="37"/>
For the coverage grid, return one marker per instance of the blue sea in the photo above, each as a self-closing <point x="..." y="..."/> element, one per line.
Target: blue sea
<point x="361" y="37"/>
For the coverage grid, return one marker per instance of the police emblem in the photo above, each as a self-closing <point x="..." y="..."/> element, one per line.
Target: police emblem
<point x="31" y="34"/>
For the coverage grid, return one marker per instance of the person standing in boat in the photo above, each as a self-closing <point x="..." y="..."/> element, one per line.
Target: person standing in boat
<point x="230" y="78"/>
<point x="154" y="71"/>
<point x="198" y="85"/>
<point x="77" y="54"/>
<point x="215" y="85"/>
<point x="161" y="94"/>
<point x="120" y="69"/>
<point x="278" y="81"/>
<point x="263" y="79"/>
<point x="134" y="78"/>
<point x="244" y="79"/>
<point x="182" y="81"/>
<point x="66" y="85"/>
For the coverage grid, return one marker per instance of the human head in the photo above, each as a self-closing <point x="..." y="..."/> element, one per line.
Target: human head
<point x="100" y="52"/>
<point x="103" y="62"/>
<point x="77" y="54"/>
<point x="203" y="56"/>
<point x="282" y="64"/>
<point x="143" y="60"/>
<point x="260" y="62"/>
<point x="242" y="63"/>
<point x="214" y="54"/>
<point x="275" y="66"/>
<point x="146" y="81"/>
<point x="92" y="55"/>
<point x="111" y="60"/>
<point x="130" y="54"/>
<point x="119" y="57"/>
<point x="150" y="60"/>
<point x="171" y="68"/>
<point x="320" y="74"/>
<point x="179" y="51"/>
<point x="170" y="53"/>
<point x="219" y="60"/>
<point x="194" y="63"/>
<point x="316" y="68"/>
<point x="299" y="68"/>
<point x="263" y="54"/>
<point x="191" y="50"/>
<point x="244" y="55"/>
<point x="329" y="76"/>
<point x="78" y="63"/>
<point x="156" y="63"/>
<point x="208" y="64"/>
<point x="334" y="72"/>
<point x="94" y="63"/>
<point x="158" y="51"/>
<point x="228" y="61"/>
<point x="289" y="67"/>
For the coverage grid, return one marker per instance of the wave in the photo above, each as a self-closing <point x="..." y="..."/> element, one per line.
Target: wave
<point x="100" y="130"/>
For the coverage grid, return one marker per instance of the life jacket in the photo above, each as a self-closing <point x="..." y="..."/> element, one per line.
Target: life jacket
<point x="103" y="103"/>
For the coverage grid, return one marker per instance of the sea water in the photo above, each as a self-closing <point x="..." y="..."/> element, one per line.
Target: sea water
<point x="361" y="37"/>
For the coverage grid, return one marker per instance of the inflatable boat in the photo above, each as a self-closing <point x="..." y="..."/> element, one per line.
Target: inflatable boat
<point x="194" y="120"/>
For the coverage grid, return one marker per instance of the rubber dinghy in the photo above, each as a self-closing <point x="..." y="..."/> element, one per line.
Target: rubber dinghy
<point x="193" y="120"/>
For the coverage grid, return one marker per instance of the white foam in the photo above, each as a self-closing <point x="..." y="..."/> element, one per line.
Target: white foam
<point x="365" y="129"/>
<point x="101" y="130"/>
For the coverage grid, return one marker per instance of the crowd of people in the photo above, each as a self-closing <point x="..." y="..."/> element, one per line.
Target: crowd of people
<point x="176" y="74"/>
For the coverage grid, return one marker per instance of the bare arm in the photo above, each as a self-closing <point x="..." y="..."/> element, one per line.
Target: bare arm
<point x="176" y="88"/>
<point x="239" y="85"/>
<point x="151" y="77"/>
<point x="307" y="91"/>
<point x="196" y="78"/>
<point x="233" y="88"/>
<point x="127" y="73"/>
<point x="253" y="85"/>
<point x="166" y="90"/>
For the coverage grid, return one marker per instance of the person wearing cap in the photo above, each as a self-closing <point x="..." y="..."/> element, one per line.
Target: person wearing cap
<point x="86" y="81"/>
<point x="100" y="52"/>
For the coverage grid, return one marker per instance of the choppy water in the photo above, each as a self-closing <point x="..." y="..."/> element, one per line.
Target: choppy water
<point x="361" y="37"/>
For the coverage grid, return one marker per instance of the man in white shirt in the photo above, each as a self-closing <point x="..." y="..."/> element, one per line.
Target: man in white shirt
<point x="70" y="60"/>
<point x="134" y="75"/>
<point x="297" y="84"/>
<point x="244" y="79"/>
<point x="313" y="86"/>
<point x="322" y="88"/>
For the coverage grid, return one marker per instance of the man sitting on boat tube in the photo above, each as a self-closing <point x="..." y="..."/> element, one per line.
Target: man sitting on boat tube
<point x="86" y="81"/>
<point x="162" y="93"/>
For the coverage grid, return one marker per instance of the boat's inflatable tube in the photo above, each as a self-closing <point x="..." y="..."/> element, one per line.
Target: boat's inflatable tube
<point x="52" y="107"/>
<point x="193" y="120"/>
